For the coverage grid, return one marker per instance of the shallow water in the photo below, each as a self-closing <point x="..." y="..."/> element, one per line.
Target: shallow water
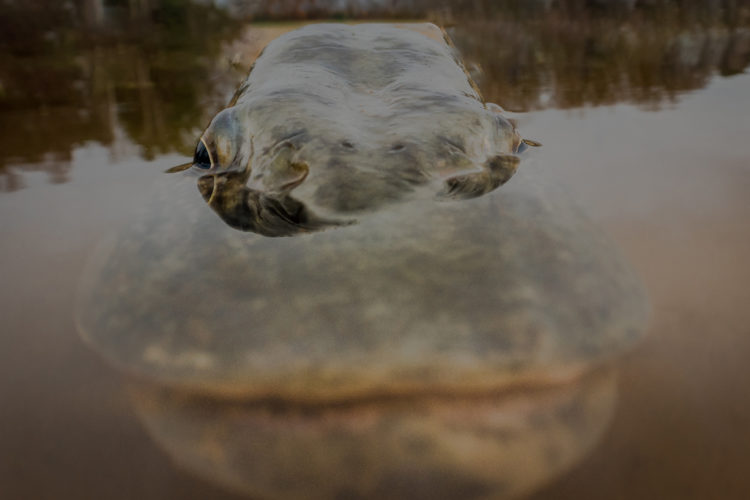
<point x="646" y="125"/>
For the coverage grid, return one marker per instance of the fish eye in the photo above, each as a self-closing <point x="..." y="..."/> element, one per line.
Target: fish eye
<point x="201" y="158"/>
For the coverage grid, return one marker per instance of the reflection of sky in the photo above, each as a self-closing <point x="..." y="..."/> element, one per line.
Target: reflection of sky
<point x="101" y="192"/>
<point x="687" y="159"/>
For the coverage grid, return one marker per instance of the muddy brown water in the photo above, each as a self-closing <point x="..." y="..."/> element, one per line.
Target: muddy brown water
<point x="653" y="145"/>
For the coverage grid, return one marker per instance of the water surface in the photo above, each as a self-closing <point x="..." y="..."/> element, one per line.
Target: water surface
<point x="644" y="120"/>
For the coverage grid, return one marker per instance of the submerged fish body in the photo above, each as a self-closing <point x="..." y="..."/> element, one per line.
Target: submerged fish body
<point x="408" y="298"/>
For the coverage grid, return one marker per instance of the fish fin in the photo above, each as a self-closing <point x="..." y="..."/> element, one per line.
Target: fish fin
<point x="179" y="168"/>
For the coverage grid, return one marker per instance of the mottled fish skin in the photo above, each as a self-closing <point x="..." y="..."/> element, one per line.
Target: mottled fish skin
<point x="347" y="119"/>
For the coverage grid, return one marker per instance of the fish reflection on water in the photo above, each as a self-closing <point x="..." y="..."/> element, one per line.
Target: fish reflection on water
<point x="436" y="332"/>
<point x="349" y="119"/>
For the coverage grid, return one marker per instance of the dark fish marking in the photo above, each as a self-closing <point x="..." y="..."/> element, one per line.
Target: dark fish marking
<point x="495" y="172"/>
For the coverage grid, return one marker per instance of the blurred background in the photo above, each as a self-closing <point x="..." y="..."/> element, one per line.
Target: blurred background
<point x="643" y="107"/>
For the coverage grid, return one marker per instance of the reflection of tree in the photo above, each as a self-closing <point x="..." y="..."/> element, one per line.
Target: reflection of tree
<point x="569" y="53"/>
<point x="72" y="73"/>
<point x="570" y="56"/>
<point x="43" y="105"/>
